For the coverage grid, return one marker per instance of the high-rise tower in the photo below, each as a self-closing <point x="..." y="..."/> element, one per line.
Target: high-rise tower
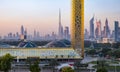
<point x="22" y="33"/>
<point x="92" y="28"/>
<point x="78" y="26"/>
<point x="25" y="34"/>
<point x="60" y="30"/>
<point x="22" y="30"/>
<point x="116" y="30"/>
<point x="98" y="29"/>
<point x="107" y="29"/>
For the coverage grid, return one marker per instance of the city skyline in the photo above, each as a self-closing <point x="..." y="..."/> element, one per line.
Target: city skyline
<point x="102" y="9"/>
<point x="43" y="15"/>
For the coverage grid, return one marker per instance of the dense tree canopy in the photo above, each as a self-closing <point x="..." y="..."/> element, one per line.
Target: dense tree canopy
<point x="35" y="67"/>
<point x="5" y="62"/>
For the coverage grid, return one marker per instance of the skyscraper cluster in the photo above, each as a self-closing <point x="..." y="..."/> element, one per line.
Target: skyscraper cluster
<point x="101" y="35"/>
<point x="63" y="33"/>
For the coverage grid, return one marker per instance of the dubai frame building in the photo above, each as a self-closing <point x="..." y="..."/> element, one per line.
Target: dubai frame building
<point x="78" y="26"/>
<point x="77" y="50"/>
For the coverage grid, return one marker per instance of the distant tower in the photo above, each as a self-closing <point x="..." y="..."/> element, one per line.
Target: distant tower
<point x="116" y="30"/>
<point x="25" y="34"/>
<point x="22" y="30"/>
<point x="107" y="29"/>
<point x="66" y="33"/>
<point x="38" y="35"/>
<point x="86" y="34"/>
<point x="35" y="34"/>
<point x="78" y="26"/>
<point x="92" y="28"/>
<point x="22" y="33"/>
<point x="98" y="29"/>
<point x="60" y="30"/>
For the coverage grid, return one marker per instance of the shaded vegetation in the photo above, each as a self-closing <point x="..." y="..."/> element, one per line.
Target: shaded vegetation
<point x="5" y="62"/>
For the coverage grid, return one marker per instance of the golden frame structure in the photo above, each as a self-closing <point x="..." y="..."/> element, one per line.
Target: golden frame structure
<point x="78" y="26"/>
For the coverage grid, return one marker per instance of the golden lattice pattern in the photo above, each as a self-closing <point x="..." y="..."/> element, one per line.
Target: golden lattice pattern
<point x="78" y="26"/>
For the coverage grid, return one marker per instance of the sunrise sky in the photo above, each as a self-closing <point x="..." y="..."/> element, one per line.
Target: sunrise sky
<point x="42" y="15"/>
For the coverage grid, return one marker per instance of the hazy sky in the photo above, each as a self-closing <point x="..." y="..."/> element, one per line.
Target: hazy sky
<point x="42" y="15"/>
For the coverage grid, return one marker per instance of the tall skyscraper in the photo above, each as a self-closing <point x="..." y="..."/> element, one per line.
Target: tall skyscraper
<point x="92" y="28"/>
<point x="78" y="26"/>
<point x="86" y="34"/>
<point x="22" y="33"/>
<point x="22" y="30"/>
<point x="66" y="33"/>
<point x="116" y="30"/>
<point x="107" y="29"/>
<point x="104" y="32"/>
<point x="98" y="29"/>
<point x="25" y="34"/>
<point x="118" y="37"/>
<point x="113" y="34"/>
<point x="60" y="30"/>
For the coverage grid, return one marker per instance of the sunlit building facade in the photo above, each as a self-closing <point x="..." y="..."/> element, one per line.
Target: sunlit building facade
<point x="78" y="26"/>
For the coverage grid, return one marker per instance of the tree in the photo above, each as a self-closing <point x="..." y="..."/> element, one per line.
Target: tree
<point x="5" y="62"/>
<point x="101" y="70"/>
<point x="67" y="69"/>
<point x="53" y="63"/>
<point x="105" y="51"/>
<point x="35" y="67"/>
<point x="101" y="66"/>
<point x="92" y="52"/>
<point x="33" y="64"/>
<point x="116" y="53"/>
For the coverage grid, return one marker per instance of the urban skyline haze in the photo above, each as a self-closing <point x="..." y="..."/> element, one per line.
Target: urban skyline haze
<point x="43" y="15"/>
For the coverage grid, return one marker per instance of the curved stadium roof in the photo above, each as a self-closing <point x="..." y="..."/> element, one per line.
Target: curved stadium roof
<point x="59" y="43"/>
<point x="27" y="44"/>
<point x="4" y="45"/>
